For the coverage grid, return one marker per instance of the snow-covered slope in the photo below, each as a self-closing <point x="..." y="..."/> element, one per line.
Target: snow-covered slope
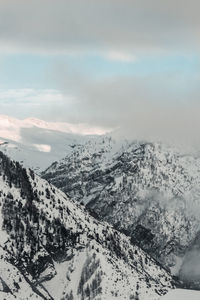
<point x="44" y="148"/>
<point x="51" y="248"/>
<point x="151" y="191"/>
<point x="182" y="294"/>
<point x="37" y="143"/>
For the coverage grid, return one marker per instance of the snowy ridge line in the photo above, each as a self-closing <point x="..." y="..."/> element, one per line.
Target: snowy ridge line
<point x="46" y="235"/>
<point x="148" y="190"/>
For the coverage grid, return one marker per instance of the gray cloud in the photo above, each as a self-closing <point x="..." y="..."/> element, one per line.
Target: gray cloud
<point x="131" y="25"/>
<point x="159" y="105"/>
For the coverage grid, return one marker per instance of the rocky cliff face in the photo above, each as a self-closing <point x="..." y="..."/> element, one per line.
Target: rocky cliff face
<point x="52" y="248"/>
<point x="150" y="191"/>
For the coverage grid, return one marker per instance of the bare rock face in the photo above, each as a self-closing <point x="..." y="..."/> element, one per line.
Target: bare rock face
<point x="149" y="191"/>
<point x="52" y="248"/>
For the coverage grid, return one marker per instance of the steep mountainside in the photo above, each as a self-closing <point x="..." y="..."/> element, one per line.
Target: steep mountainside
<point x="51" y="248"/>
<point x="148" y="190"/>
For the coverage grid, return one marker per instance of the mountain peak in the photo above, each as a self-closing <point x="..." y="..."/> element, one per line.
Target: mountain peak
<point x="148" y="190"/>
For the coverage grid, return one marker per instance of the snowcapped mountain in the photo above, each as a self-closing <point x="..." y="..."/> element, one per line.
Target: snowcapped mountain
<point x="52" y="248"/>
<point x="150" y="191"/>
<point x="10" y="127"/>
<point x="37" y="143"/>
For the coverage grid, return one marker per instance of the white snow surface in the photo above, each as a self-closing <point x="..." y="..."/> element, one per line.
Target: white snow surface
<point x="182" y="294"/>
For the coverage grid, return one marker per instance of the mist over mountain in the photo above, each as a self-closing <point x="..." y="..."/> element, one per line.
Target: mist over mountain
<point x="148" y="191"/>
<point x="37" y="143"/>
<point x="99" y="150"/>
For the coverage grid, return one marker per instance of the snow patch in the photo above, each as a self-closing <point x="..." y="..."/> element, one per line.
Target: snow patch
<point x="181" y="294"/>
<point x="43" y="148"/>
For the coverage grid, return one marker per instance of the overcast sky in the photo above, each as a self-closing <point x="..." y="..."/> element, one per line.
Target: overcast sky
<point x="129" y="64"/>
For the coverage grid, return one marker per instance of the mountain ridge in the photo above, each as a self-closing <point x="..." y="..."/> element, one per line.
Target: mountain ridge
<point x="148" y="190"/>
<point x="48" y="240"/>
